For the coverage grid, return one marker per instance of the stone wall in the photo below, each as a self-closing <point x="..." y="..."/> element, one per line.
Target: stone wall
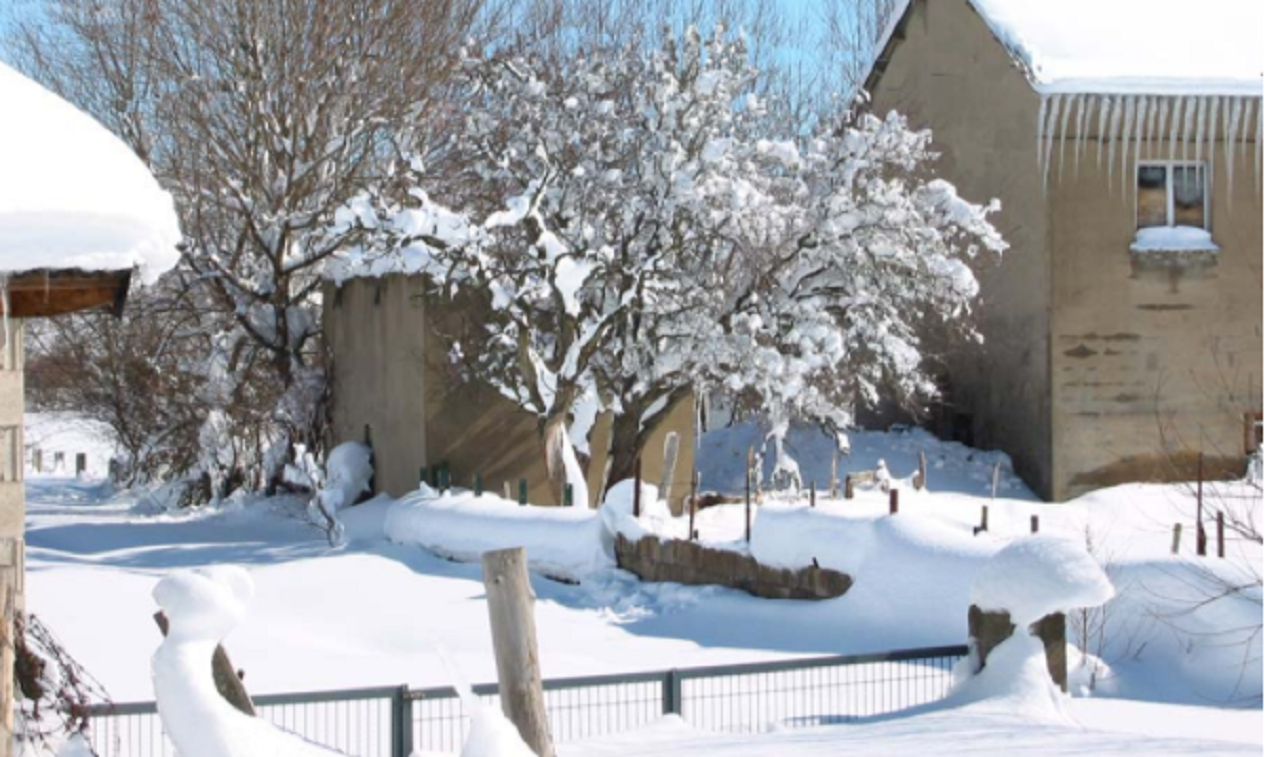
<point x="687" y="562"/>
<point x="989" y="629"/>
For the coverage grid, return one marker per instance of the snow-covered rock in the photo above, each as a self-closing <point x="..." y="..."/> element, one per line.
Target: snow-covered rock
<point x="203" y="606"/>
<point x="72" y="195"/>
<point x="348" y="474"/>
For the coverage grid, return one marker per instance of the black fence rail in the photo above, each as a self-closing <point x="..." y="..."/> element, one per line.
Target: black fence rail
<point x="395" y="721"/>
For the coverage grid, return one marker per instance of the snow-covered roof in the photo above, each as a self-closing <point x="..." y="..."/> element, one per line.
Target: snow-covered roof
<point x="1151" y="47"/>
<point x="72" y="195"/>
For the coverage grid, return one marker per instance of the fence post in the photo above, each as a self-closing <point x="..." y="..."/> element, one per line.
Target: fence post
<point x="692" y="506"/>
<point x="479" y="485"/>
<point x="847" y="486"/>
<point x="1033" y="524"/>
<point x="514" y="635"/>
<point x="812" y="494"/>
<point x="523" y="491"/>
<point x="401" y="723"/>
<point x="1176" y="529"/>
<point x="638" y="482"/>
<point x="81" y="463"/>
<point x="894" y="501"/>
<point x="672" y="693"/>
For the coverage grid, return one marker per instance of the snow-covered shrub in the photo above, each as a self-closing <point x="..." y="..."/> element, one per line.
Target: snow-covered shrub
<point x="344" y="477"/>
<point x="54" y="693"/>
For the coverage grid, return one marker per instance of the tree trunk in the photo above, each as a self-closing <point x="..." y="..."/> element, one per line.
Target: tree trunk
<point x="628" y="440"/>
<point x="555" y="445"/>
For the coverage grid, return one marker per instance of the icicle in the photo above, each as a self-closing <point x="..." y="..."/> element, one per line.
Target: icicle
<point x="1243" y="128"/>
<point x="1090" y="103"/>
<point x="1042" y="124"/>
<point x="1213" y="118"/>
<point x="1051" y="128"/>
<point x="1142" y="107"/>
<point x="1115" y="117"/>
<point x="1069" y="103"/>
<point x="1163" y="108"/>
<point x="1101" y="124"/>
<point x="1128" y="117"/>
<point x="1080" y="131"/>
<point x="1174" y="139"/>
<point x="1260" y="144"/>
<point x="1231" y="134"/>
<point x="1190" y="115"/>
<point x="1199" y="129"/>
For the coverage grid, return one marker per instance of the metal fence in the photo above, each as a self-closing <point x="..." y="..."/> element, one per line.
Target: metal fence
<point x="395" y="721"/>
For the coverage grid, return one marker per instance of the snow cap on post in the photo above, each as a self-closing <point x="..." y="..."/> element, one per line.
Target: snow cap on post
<point x="72" y="195"/>
<point x="204" y="604"/>
<point x="1036" y="576"/>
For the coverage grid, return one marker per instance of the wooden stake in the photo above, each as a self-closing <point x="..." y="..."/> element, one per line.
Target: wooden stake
<point x="1033" y="524"/>
<point x="1220" y="534"/>
<point x="479" y="485"/>
<point x="692" y="506"/>
<point x="523" y="491"/>
<point x="834" y="472"/>
<point x="638" y="482"/>
<point x="505" y="489"/>
<point x="225" y="678"/>
<point x="514" y="633"/>
<point x="1176" y="529"/>
<point x="811" y="494"/>
<point x="894" y="501"/>
<point x="848" y="489"/>
<point x="1202" y="531"/>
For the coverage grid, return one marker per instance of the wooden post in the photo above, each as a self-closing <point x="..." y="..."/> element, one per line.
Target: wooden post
<point x="749" y="473"/>
<point x="37" y="459"/>
<point x="505" y="489"/>
<point x="811" y="494"/>
<point x="81" y="463"/>
<point x="10" y="580"/>
<point x="894" y="501"/>
<point x="1176" y="529"/>
<point x="1220" y="534"/>
<point x="479" y="484"/>
<point x="920" y="478"/>
<point x="848" y="490"/>
<point x="834" y="472"/>
<point x="1202" y="531"/>
<point x="638" y="482"/>
<point x="1033" y="524"/>
<point x="225" y="678"/>
<point x="567" y="495"/>
<point x="514" y="632"/>
<point x="692" y="506"/>
<point x="523" y="491"/>
<point x="669" y="459"/>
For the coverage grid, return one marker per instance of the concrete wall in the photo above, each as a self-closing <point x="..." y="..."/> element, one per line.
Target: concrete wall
<point x="12" y="492"/>
<point x="1151" y="362"/>
<point x="950" y="75"/>
<point x="390" y="372"/>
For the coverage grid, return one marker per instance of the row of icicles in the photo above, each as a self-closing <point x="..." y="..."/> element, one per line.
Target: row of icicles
<point x="1125" y="126"/>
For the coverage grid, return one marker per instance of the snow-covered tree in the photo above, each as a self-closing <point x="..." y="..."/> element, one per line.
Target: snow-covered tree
<point x="643" y="233"/>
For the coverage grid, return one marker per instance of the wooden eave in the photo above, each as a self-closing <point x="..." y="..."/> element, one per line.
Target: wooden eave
<point x="45" y="293"/>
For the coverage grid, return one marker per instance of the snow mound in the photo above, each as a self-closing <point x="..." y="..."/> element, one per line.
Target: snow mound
<point x="1039" y="575"/>
<point x="618" y="511"/>
<point x="72" y="195"/>
<point x="492" y="735"/>
<point x="348" y="474"/>
<point x="203" y="606"/>
<point x="1015" y="681"/>
<point x="568" y="543"/>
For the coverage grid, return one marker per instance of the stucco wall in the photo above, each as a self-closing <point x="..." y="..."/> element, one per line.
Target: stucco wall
<point x="390" y="371"/>
<point x="1151" y="360"/>
<point x="377" y="344"/>
<point x="950" y="75"/>
<point x="12" y="492"/>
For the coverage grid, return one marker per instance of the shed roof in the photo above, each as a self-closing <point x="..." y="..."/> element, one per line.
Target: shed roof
<point x="74" y="199"/>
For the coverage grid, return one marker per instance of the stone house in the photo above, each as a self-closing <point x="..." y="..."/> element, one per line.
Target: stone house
<point x="391" y="386"/>
<point x="1123" y="330"/>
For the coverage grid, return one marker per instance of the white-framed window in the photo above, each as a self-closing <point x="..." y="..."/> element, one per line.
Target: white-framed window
<point x="1173" y="194"/>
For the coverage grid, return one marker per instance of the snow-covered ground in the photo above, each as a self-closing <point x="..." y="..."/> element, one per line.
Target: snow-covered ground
<point x="373" y="613"/>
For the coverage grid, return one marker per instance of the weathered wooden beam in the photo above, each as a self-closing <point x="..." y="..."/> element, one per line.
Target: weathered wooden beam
<point x="514" y="633"/>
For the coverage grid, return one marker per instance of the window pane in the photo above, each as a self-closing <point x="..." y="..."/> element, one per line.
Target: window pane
<point x="1190" y="192"/>
<point x="1151" y="196"/>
